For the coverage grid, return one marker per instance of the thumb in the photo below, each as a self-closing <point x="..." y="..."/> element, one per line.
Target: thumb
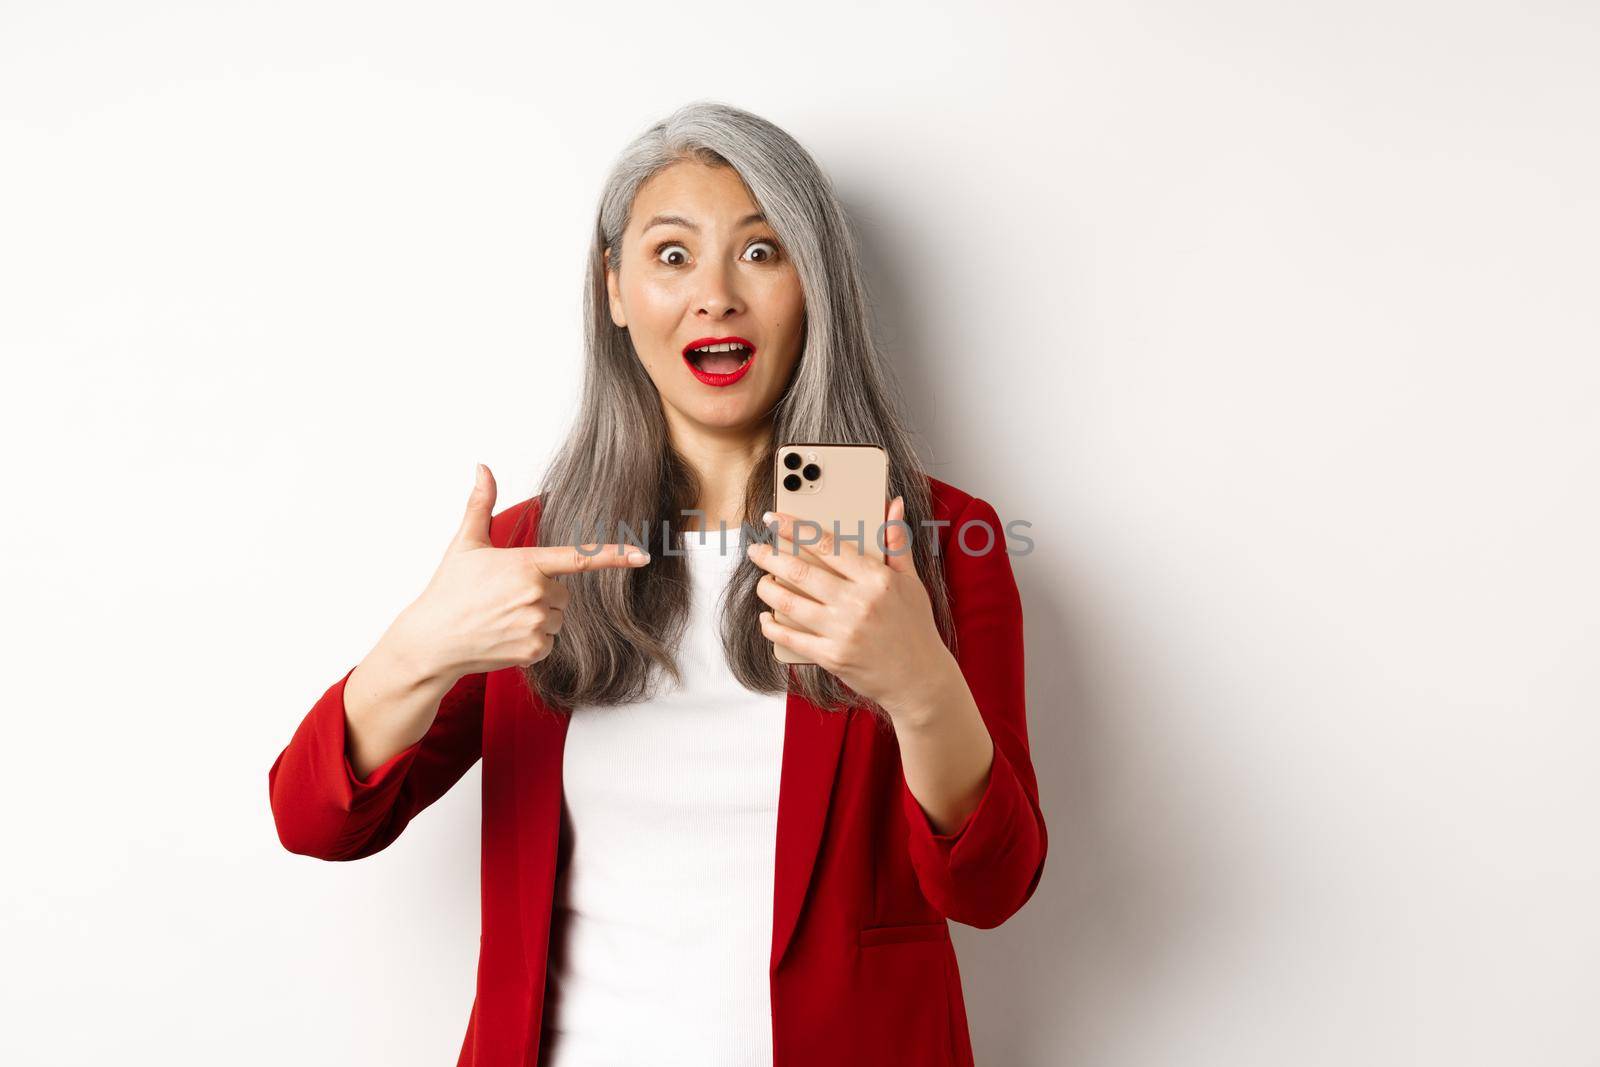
<point x="897" y="540"/>
<point x="474" y="531"/>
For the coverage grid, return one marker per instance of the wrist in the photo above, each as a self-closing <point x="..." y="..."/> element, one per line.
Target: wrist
<point x="938" y="690"/>
<point x="413" y="662"/>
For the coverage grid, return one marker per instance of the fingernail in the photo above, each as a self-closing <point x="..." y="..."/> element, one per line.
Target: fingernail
<point x="768" y="516"/>
<point x="638" y="556"/>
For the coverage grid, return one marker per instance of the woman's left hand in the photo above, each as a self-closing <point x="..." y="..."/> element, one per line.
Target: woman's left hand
<point x="871" y="621"/>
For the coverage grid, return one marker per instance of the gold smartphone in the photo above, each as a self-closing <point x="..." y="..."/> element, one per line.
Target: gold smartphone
<point x="844" y="489"/>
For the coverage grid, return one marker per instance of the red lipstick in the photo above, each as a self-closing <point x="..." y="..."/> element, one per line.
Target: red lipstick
<point x="711" y="377"/>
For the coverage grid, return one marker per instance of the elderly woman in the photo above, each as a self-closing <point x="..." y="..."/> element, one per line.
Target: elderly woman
<point x="694" y="853"/>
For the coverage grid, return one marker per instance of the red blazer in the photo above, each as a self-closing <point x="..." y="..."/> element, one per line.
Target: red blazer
<point x="862" y="968"/>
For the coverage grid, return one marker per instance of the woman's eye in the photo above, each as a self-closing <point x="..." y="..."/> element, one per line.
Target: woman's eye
<point x="760" y="251"/>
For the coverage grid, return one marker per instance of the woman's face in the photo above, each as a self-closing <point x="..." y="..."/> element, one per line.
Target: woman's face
<point x="712" y="271"/>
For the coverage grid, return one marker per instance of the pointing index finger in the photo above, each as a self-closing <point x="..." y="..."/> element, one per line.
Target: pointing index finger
<point x="556" y="560"/>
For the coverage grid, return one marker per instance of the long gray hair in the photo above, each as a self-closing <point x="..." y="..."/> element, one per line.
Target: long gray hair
<point x="617" y="466"/>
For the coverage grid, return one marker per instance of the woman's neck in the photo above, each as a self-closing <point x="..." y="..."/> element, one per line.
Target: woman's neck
<point x="722" y="460"/>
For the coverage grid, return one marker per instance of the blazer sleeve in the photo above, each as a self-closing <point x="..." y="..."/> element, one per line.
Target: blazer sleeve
<point x="982" y="873"/>
<point x="323" y="810"/>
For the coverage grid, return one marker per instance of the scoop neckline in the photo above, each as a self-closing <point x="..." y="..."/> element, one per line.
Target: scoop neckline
<point x="706" y="540"/>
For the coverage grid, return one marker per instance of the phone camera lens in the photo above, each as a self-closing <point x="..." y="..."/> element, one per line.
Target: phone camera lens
<point x="792" y="460"/>
<point x="812" y="472"/>
<point x="791" y="482"/>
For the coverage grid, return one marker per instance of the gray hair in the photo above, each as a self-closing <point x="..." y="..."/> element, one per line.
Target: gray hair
<point x="617" y="464"/>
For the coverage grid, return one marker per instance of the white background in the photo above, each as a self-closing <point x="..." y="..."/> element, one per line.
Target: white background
<point x="1276" y="320"/>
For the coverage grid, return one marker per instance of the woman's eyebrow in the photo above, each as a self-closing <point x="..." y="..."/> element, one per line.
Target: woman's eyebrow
<point x="679" y="220"/>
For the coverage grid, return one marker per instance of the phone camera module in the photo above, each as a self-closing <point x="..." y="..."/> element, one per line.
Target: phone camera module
<point x="812" y="472"/>
<point x="791" y="482"/>
<point x="791" y="460"/>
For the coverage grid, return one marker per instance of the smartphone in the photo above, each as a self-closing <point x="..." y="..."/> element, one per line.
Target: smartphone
<point x="844" y="489"/>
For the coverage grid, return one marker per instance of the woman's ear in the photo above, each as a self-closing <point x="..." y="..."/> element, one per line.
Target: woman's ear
<point x="614" y="293"/>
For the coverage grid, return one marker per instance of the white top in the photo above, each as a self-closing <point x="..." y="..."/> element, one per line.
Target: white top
<point x="662" y="927"/>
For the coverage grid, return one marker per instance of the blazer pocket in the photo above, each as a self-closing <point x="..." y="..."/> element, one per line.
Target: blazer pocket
<point x="903" y="932"/>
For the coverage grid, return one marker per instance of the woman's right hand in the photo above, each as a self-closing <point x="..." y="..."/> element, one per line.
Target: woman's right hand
<point x="487" y="608"/>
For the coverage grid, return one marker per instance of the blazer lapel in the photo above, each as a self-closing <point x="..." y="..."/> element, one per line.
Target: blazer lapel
<point x="812" y="741"/>
<point x="536" y="764"/>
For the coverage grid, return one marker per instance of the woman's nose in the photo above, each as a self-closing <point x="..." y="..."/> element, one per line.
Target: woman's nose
<point x="717" y="294"/>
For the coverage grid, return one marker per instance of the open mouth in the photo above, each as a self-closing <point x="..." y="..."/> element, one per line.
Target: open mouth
<point x="719" y="360"/>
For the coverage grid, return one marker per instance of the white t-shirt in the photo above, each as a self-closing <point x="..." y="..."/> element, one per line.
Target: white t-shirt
<point x="662" y="927"/>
